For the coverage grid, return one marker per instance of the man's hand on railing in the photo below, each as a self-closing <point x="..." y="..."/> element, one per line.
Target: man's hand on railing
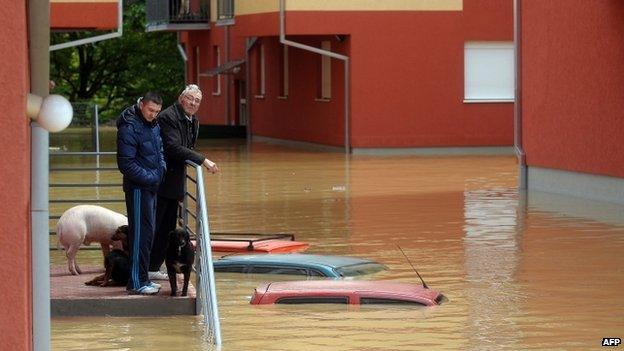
<point x="212" y="167"/>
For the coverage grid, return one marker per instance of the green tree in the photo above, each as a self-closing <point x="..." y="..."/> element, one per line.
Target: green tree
<point x="114" y="73"/>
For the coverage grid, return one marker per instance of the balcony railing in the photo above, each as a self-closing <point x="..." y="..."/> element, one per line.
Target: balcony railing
<point x="177" y="15"/>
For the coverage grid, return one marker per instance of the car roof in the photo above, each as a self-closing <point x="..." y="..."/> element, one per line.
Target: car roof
<point x="266" y="246"/>
<point x="296" y="259"/>
<point x="363" y="288"/>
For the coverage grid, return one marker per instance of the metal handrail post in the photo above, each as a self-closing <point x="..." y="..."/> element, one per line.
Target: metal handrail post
<point x="96" y="130"/>
<point x="207" y="253"/>
<point x="185" y="201"/>
<point x="205" y="274"/>
<point x="201" y="304"/>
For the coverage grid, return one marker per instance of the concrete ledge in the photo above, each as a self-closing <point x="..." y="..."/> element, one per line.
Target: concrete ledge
<point x="419" y="151"/>
<point x="125" y="307"/>
<point x="297" y="144"/>
<point x="69" y="296"/>
<point x="436" y="151"/>
<point x="582" y="185"/>
<point x="604" y="212"/>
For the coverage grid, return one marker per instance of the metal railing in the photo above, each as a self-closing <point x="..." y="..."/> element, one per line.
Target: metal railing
<point x="81" y="191"/>
<point x="171" y="11"/>
<point x="194" y="205"/>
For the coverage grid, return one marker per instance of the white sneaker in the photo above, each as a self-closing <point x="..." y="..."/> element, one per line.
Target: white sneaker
<point x="154" y="285"/>
<point x="157" y="275"/>
<point x="144" y="290"/>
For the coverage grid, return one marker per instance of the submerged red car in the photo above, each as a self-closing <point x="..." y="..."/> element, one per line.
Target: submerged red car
<point x="345" y="292"/>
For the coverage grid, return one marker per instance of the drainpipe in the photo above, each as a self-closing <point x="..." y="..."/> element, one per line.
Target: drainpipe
<point x="96" y="38"/>
<point x="522" y="166"/>
<point x="344" y="58"/>
<point x="226" y="33"/>
<point x="249" y="43"/>
<point x="39" y="41"/>
<point x="183" y="55"/>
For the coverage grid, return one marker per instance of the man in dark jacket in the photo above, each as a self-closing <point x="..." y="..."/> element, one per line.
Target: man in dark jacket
<point x="141" y="161"/>
<point x="179" y="128"/>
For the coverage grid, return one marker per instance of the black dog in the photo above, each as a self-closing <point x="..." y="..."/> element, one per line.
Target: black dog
<point x="179" y="259"/>
<point x="117" y="263"/>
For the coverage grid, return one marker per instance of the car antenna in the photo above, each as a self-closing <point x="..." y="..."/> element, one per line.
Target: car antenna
<point x="410" y="262"/>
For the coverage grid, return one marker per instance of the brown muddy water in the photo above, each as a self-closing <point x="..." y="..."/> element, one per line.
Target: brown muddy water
<point x="517" y="276"/>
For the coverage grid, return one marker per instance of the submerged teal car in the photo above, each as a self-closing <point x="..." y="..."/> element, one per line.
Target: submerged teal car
<point x="298" y="264"/>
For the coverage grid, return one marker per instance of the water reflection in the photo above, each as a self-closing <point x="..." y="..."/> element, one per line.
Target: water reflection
<point x="516" y="278"/>
<point x="492" y="256"/>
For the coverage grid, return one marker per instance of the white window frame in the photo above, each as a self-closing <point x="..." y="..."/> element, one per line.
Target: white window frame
<point x="225" y="12"/>
<point x="489" y="72"/>
<point x="262" y="86"/>
<point x="217" y="92"/>
<point x="325" y="72"/>
<point x="197" y="52"/>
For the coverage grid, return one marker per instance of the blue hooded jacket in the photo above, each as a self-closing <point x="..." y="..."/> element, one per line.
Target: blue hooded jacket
<point x="140" y="155"/>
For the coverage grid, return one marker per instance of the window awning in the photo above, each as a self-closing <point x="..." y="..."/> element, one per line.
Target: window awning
<point x="225" y="68"/>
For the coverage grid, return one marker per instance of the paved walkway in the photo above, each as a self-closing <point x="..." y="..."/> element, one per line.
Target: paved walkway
<point x="71" y="297"/>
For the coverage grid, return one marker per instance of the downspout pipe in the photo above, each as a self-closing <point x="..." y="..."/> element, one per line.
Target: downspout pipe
<point x="331" y="54"/>
<point x="117" y="34"/>
<point x="249" y="43"/>
<point x="522" y="166"/>
<point x="228" y="120"/>
<point x="183" y="56"/>
<point x="39" y="57"/>
<point x="182" y="53"/>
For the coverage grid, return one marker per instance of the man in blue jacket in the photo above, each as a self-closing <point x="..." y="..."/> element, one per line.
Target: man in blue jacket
<point x="141" y="161"/>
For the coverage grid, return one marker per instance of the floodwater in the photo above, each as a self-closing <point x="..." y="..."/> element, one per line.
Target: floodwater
<point x="519" y="274"/>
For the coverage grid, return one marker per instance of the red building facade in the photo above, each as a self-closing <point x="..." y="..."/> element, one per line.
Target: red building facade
<point x="572" y="95"/>
<point x="16" y="309"/>
<point x="406" y="72"/>
<point x="83" y="14"/>
<point x="575" y="121"/>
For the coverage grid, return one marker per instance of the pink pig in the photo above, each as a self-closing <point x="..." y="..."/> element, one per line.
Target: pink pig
<point x="85" y="224"/>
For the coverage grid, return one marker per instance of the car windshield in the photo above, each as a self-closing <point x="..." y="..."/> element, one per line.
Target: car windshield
<point x="359" y="269"/>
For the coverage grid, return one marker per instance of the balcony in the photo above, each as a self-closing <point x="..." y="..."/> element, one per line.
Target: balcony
<point x="177" y="15"/>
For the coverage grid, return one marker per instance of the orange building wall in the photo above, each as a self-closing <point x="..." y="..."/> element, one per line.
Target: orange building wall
<point x="299" y="117"/>
<point x="83" y="15"/>
<point x="15" y="275"/>
<point x="211" y="110"/>
<point x="573" y="85"/>
<point x="407" y="77"/>
<point x="409" y="85"/>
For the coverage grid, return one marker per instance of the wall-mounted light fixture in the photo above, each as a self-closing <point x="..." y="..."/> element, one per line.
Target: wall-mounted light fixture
<point x="54" y="113"/>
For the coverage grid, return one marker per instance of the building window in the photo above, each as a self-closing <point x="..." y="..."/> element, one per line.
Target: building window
<point x="196" y="61"/>
<point x="260" y="72"/>
<point x="283" y="69"/>
<point x="324" y="88"/>
<point x="489" y="72"/>
<point x="216" y="79"/>
<point x="225" y="12"/>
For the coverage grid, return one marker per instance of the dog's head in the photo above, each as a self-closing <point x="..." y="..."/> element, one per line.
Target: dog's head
<point x="179" y="237"/>
<point x="121" y="234"/>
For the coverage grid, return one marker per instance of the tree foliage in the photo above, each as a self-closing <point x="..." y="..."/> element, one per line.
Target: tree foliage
<point x="113" y="73"/>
